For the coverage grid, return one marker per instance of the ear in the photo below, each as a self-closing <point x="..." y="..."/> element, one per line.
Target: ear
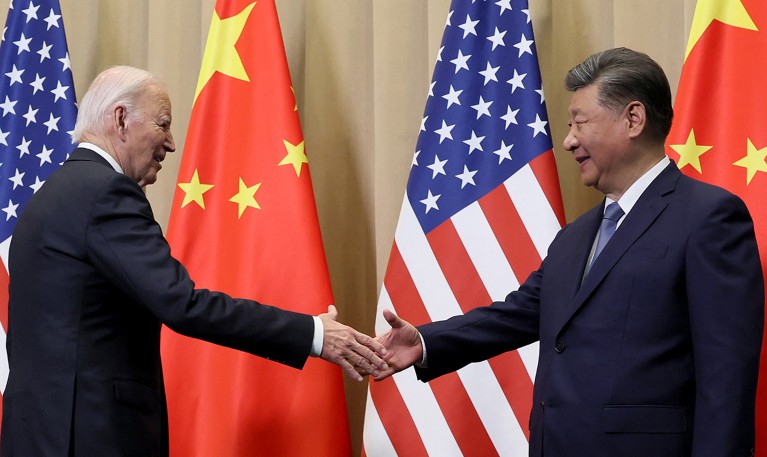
<point x="636" y="118"/>
<point x="119" y="121"/>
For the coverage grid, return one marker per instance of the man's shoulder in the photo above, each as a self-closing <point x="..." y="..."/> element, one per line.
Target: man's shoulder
<point x="82" y="158"/>
<point x="699" y="189"/>
<point x="83" y="177"/>
<point x="698" y="199"/>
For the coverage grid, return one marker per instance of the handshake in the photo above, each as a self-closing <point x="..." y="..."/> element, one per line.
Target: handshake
<point x="359" y="354"/>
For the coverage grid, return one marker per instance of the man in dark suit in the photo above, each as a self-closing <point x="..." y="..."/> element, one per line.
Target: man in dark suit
<point x="92" y="280"/>
<point x="651" y="346"/>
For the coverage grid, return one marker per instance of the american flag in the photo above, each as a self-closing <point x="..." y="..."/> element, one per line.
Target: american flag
<point x="37" y="115"/>
<point x="481" y="207"/>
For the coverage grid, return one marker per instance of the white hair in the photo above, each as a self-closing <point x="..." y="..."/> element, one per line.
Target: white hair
<point x="119" y="85"/>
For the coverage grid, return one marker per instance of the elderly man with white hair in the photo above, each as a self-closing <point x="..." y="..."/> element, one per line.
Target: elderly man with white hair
<point x="93" y="280"/>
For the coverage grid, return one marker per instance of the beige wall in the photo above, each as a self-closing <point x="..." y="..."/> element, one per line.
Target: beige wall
<point x="361" y="70"/>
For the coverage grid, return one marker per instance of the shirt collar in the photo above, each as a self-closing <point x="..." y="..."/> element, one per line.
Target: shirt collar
<point x="632" y="194"/>
<point x="103" y="154"/>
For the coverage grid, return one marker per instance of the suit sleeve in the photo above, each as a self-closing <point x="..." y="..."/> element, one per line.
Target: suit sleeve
<point x="127" y="245"/>
<point x="726" y="306"/>
<point x="483" y="332"/>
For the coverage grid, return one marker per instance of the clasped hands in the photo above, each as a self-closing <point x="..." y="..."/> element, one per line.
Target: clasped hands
<point x="358" y="354"/>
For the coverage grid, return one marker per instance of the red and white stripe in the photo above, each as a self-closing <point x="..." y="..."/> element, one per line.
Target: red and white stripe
<point x="478" y="256"/>
<point x="4" y="247"/>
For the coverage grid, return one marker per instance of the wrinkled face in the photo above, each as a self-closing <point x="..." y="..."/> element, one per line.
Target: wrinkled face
<point x="598" y="139"/>
<point x="147" y="137"/>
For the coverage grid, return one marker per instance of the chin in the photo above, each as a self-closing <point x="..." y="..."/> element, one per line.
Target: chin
<point x="586" y="181"/>
<point x="147" y="180"/>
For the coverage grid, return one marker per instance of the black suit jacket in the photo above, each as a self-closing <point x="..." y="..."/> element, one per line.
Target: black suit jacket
<point x="656" y="352"/>
<point x="92" y="280"/>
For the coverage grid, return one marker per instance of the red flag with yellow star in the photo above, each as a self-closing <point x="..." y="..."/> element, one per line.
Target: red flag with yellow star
<point x="244" y="221"/>
<point x="719" y="134"/>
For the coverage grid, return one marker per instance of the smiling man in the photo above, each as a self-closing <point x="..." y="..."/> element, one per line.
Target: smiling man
<point x="648" y="308"/>
<point x="92" y="280"/>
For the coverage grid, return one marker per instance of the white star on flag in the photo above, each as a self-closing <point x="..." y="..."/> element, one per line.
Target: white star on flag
<point x="482" y="107"/>
<point x="431" y="202"/>
<point x="539" y="126"/>
<point x="489" y="73"/>
<point x="524" y="45"/>
<point x="445" y="131"/>
<point x="452" y="97"/>
<point x="497" y="38"/>
<point x="475" y="142"/>
<point x="438" y="167"/>
<point x="510" y="117"/>
<point x="467" y="177"/>
<point x="461" y="62"/>
<point x="516" y="81"/>
<point x="505" y="5"/>
<point x="469" y="27"/>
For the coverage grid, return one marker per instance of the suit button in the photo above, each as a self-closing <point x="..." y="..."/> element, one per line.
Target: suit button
<point x="560" y="347"/>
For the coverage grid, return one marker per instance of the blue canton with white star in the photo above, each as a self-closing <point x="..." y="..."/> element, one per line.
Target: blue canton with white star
<point x="485" y="116"/>
<point x="37" y="104"/>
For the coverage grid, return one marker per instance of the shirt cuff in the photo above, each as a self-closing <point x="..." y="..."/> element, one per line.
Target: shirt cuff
<point x="319" y="337"/>
<point x="422" y="363"/>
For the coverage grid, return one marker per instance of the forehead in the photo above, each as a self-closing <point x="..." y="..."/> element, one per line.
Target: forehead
<point x="155" y="100"/>
<point x="585" y="100"/>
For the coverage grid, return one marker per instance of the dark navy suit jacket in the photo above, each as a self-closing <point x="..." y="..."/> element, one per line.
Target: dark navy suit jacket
<point x="656" y="352"/>
<point x="92" y="280"/>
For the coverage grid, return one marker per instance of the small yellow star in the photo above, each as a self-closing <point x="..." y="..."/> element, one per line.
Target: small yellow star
<point x="246" y="197"/>
<point x="220" y="54"/>
<point x="194" y="190"/>
<point x="690" y="152"/>
<point x="730" y="12"/>
<point x="296" y="156"/>
<point x="754" y="161"/>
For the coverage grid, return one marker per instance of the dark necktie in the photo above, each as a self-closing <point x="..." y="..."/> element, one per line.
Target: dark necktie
<point x="613" y="213"/>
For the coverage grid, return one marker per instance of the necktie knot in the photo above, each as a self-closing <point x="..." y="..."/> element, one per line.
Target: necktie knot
<point x="613" y="212"/>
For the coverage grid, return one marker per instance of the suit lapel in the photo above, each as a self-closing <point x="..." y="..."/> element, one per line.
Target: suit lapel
<point x="641" y="217"/>
<point x="580" y="247"/>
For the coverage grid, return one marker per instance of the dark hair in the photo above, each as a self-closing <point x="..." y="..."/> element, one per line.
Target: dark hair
<point x="623" y="76"/>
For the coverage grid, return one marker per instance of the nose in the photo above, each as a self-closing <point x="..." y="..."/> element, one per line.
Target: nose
<point x="169" y="144"/>
<point x="571" y="142"/>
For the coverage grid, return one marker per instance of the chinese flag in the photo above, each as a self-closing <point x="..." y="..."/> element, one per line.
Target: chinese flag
<point x="244" y="222"/>
<point x="719" y="133"/>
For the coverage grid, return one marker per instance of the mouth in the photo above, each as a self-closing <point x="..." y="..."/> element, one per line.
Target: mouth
<point x="582" y="159"/>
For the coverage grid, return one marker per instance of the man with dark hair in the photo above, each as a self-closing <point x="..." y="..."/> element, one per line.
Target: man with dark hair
<point x="648" y="308"/>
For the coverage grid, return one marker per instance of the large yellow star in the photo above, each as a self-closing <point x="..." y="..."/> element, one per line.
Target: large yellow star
<point x="194" y="190"/>
<point x="246" y="197"/>
<point x="296" y="156"/>
<point x="690" y="152"/>
<point x="730" y="12"/>
<point x="754" y="161"/>
<point x="220" y="54"/>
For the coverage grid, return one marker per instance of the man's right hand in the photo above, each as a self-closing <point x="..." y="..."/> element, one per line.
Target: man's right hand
<point x="403" y="345"/>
